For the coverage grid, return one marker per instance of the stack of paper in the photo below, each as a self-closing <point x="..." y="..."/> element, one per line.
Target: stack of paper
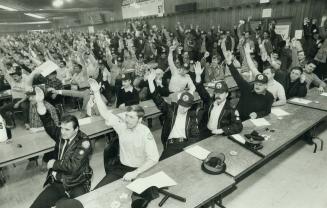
<point x="260" y="122"/>
<point x="84" y="121"/>
<point x="279" y="112"/>
<point x="158" y="180"/>
<point x="197" y="152"/>
<point x="301" y="101"/>
<point x="47" y="68"/>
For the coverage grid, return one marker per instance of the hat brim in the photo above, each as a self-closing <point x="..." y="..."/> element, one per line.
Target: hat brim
<point x="184" y="104"/>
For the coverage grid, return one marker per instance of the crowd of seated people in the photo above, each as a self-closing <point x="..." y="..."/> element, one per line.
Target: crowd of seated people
<point x="122" y="61"/>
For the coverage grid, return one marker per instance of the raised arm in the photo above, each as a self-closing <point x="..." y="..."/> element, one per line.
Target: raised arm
<point x="171" y="63"/>
<point x="240" y="81"/>
<point x="253" y="68"/>
<point x="49" y="125"/>
<point x="156" y="97"/>
<point x="205" y="97"/>
<point x="103" y="110"/>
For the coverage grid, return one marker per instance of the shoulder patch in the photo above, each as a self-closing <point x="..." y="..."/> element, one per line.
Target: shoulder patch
<point x="149" y="136"/>
<point x="81" y="152"/>
<point x="86" y="144"/>
<point x="237" y="113"/>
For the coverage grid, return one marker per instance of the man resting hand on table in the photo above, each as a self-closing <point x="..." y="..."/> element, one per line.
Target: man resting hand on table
<point x="137" y="148"/>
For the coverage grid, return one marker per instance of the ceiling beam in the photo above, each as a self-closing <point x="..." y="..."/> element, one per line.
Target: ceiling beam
<point x="74" y="10"/>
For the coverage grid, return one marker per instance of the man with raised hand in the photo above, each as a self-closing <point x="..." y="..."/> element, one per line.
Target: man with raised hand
<point x="219" y="117"/>
<point x="70" y="172"/>
<point x="137" y="148"/>
<point x="255" y="100"/>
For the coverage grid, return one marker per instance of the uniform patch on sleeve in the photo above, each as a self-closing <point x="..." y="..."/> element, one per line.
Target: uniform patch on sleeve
<point x="149" y="136"/>
<point x="86" y="144"/>
<point x="81" y="152"/>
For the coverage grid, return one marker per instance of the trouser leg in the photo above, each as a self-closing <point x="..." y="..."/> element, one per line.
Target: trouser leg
<point x="25" y="108"/>
<point x="118" y="171"/>
<point x="49" y="196"/>
<point x="173" y="149"/>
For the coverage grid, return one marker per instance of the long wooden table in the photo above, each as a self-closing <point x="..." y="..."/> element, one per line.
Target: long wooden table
<point x="318" y="101"/>
<point x="235" y="164"/>
<point x="284" y="130"/>
<point x="195" y="185"/>
<point x="25" y="147"/>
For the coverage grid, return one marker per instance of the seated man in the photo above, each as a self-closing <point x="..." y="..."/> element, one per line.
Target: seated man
<point x="294" y="82"/>
<point x="219" y="117"/>
<point x="179" y="77"/>
<point x="19" y="84"/>
<point x="127" y="95"/>
<point x="79" y="87"/>
<point x="255" y="100"/>
<point x="70" y="173"/>
<point x="180" y="127"/>
<point x="274" y="87"/>
<point x="312" y="78"/>
<point x="137" y="148"/>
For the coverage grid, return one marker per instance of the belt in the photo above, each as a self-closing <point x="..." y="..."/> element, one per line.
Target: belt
<point x="176" y="140"/>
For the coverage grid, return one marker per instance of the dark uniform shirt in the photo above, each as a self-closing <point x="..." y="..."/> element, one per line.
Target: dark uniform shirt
<point x="250" y="101"/>
<point x="127" y="97"/>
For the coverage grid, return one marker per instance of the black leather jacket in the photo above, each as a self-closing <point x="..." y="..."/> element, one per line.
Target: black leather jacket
<point x="228" y="120"/>
<point x="73" y="167"/>
<point x="170" y="111"/>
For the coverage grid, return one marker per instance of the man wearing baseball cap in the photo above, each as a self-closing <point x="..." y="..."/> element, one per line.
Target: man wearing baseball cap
<point x="180" y="126"/>
<point x="255" y="100"/>
<point x="219" y="117"/>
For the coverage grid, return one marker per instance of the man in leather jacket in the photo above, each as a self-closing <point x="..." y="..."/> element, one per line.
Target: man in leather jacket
<point x="70" y="173"/>
<point x="180" y="126"/>
<point x="218" y="116"/>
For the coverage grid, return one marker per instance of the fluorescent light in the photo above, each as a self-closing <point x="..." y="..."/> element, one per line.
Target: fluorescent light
<point x="7" y="8"/>
<point x="34" y="15"/>
<point x="28" y="14"/>
<point x="57" y="3"/>
<point x="25" y="23"/>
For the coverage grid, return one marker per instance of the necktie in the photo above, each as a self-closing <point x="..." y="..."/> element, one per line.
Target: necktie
<point x="63" y="149"/>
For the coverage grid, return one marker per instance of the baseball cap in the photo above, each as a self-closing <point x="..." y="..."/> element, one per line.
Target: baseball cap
<point x="261" y="78"/>
<point x="186" y="99"/>
<point x="221" y="87"/>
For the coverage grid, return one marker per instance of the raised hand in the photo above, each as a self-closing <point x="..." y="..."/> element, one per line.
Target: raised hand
<point x="151" y="76"/>
<point x="206" y="54"/>
<point x="39" y="95"/>
<point x="228" y="57"/>
<point x="197" y="68"/>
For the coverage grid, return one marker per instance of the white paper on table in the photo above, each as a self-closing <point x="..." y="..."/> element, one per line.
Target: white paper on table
<point x="239" y="138"/>
<point x="301" y="101"/>
<point x="198" y="152"/>
<point x="279" y="112"/>
<point x="264" y="1"/>
<point x="47" y="68"/>
<point x="160" y="179"/>
<point x="324" y="94"/>
<point x="260" y="122"/>
<point x="84" y="121"/>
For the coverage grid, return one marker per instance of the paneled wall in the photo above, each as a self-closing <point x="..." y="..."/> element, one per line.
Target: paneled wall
<point x="208" y="14"/>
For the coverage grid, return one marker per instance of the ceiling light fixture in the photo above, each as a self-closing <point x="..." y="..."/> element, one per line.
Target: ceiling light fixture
<point x="57" y="3"/>
<point x="27" y="14"/>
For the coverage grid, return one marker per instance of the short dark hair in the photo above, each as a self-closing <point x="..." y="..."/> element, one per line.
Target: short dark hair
<point x="272" y="70"/>
<point x="70" y="118"/>
<point x="297" y="68"/>
<point x="138" y="109"/>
